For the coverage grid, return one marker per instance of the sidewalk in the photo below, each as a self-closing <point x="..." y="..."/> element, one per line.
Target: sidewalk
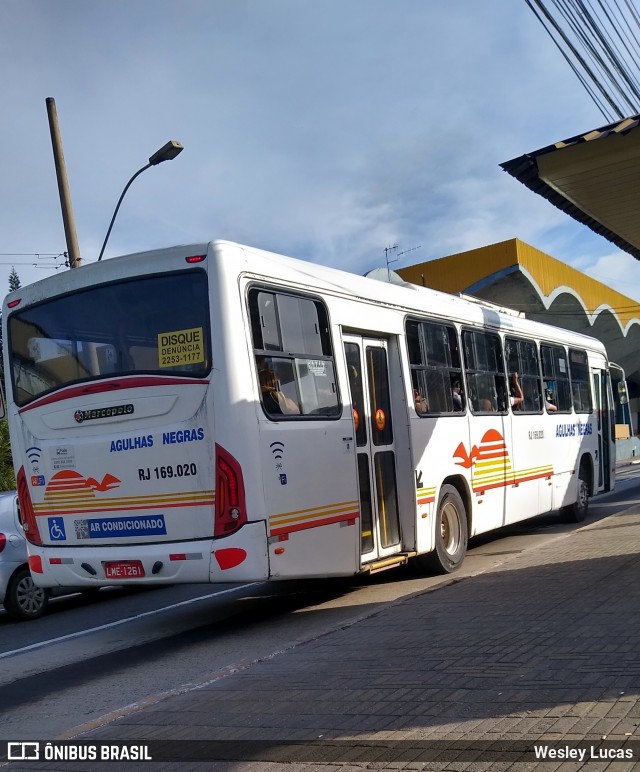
<point x="544" y="648"/>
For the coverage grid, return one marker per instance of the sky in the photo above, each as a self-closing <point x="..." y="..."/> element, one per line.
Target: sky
<point x="327" y="130"/>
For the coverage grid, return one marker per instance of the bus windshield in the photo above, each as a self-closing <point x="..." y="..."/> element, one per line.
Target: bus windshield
<point x="152" y="324"/>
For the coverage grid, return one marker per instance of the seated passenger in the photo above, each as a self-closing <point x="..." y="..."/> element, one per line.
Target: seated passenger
<point x="517" y="398"/>
<point x="420" y="403"/>
<point x="457" y="395"/>
<point x="274" y="400"/>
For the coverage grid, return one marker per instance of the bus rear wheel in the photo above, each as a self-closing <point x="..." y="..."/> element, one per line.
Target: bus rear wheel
<point x="451" y="535"/>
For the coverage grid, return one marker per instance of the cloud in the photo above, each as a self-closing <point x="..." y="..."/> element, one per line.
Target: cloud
<point x="325" y="130"/>
<point x="617" y="270"/>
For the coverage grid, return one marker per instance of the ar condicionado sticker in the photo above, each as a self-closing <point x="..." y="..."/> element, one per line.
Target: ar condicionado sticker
<point x="182" y="347"/>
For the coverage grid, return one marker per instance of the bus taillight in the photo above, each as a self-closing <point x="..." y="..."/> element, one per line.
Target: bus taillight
<point x="27" y="513"/>
<point x="230" y="511"/>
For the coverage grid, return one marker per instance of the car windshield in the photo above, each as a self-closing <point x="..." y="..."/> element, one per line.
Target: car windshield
<point x="153" y="324"/>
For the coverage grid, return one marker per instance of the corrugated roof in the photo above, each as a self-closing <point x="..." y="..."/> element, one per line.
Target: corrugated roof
<point x="593" y="177"/>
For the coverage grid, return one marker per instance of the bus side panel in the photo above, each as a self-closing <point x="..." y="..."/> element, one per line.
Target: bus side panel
<point x="489" y="461"/>
<point x="575" y="441"/>
<point x="530" y="492"/>
<point x="564" y="489"/>
<point x="437" y="455"/>
<point x="311" y="497"/>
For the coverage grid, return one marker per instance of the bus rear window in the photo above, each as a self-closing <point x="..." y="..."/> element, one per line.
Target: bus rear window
<point x="153" y="324"/>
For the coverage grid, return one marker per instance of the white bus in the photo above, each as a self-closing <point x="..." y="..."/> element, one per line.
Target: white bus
<point x="216" y="413"/>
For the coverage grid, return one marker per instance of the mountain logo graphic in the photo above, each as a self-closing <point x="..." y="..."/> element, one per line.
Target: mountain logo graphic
<point x="69" y="485"/>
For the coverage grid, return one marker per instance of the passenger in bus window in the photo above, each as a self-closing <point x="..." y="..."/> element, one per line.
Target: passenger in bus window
<point x="548" y="400"/>
<point x="487" y="406"/>
<point x="517" y="397"/>
<point x="457" y="394"/>
<point x="551" y="408"/>
<point x="420" y="403"/>
<point x="274" y="400"/>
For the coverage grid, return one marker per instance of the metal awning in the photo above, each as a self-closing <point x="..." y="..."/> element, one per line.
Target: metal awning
<point x="593" y="177"/>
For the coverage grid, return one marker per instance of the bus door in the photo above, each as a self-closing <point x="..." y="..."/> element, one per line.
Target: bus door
<point x="367" y="364"/>
<point x="603" y="428"/>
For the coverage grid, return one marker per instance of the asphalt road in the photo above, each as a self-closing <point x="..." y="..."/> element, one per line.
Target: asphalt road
<point x="88" y="659"/>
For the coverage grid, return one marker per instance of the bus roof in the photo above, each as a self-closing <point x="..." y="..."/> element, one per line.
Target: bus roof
<point x="304" y="275"/>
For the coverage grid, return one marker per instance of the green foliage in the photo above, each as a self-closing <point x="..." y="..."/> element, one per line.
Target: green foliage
<point x="7" y="477"/>
<point x="14" y="280"/>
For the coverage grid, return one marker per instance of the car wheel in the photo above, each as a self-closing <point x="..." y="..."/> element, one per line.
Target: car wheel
<point x="24" y="599"/>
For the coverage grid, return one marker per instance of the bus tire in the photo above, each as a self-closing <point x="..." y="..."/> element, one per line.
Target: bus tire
<point x="24" y="599"/>
<point x="452" y="534"/>
<point x="576" y="512"/>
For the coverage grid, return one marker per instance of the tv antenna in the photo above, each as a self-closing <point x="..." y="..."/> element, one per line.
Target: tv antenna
<point x="388" y="250"/>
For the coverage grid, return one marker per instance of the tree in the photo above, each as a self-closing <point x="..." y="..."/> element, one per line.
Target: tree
<point x="7" y="476"/>
<point x="14" y="280"/>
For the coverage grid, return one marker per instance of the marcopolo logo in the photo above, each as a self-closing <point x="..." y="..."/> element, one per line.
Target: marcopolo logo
<point x="102" y="412"/>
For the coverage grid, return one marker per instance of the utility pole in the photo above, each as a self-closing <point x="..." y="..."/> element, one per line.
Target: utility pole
<point x="63" y="186"/>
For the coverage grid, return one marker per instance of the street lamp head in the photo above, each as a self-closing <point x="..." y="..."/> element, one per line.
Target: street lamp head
<point x="166" y="153"/>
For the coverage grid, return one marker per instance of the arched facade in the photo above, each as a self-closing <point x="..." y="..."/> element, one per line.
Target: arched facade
<point x="519" y="276"/>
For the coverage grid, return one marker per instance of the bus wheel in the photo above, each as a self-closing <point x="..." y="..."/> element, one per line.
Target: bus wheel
<point x="576" y="512"/>
<point x="451" y="535"/>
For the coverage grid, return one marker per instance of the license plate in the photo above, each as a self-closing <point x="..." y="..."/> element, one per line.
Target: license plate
<point x="123" y="569"/>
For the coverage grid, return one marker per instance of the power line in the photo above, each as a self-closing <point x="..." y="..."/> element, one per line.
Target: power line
<point x="39" y="256"/>
<point x="600" y="40"/>
<point x="35" y="265"/>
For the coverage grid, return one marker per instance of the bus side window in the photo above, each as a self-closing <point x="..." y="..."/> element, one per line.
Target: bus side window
<point x="434" y="359"/>
<point x="522" y="358"/>
<point x="293" y="355"/>
<point x="486" y="383"/>
<point x="580" y="383"/>
<point x="555" y="372"/>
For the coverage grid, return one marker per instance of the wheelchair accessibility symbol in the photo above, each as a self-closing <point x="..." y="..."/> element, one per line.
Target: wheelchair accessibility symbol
<point x="56" y="529"/>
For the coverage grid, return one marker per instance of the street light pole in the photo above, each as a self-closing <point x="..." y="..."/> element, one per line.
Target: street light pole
<point x="166" y="153"/>
<point x="68" y="220"/>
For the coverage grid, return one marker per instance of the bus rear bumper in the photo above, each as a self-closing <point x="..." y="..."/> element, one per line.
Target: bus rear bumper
<point x="239" y="557"/>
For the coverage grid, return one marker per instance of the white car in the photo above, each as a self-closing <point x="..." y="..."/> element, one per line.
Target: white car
<point x="21" y="598"/>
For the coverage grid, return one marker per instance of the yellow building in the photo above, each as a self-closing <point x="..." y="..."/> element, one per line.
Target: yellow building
<point x="519" y="276"/>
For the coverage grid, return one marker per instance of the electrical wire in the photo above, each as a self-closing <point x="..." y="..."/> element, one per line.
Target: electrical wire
<point x="600" y="40"/>
<point x="40" y="256"/>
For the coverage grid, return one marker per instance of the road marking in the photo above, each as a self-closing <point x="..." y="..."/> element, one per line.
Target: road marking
<point x="41" y="644"/>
